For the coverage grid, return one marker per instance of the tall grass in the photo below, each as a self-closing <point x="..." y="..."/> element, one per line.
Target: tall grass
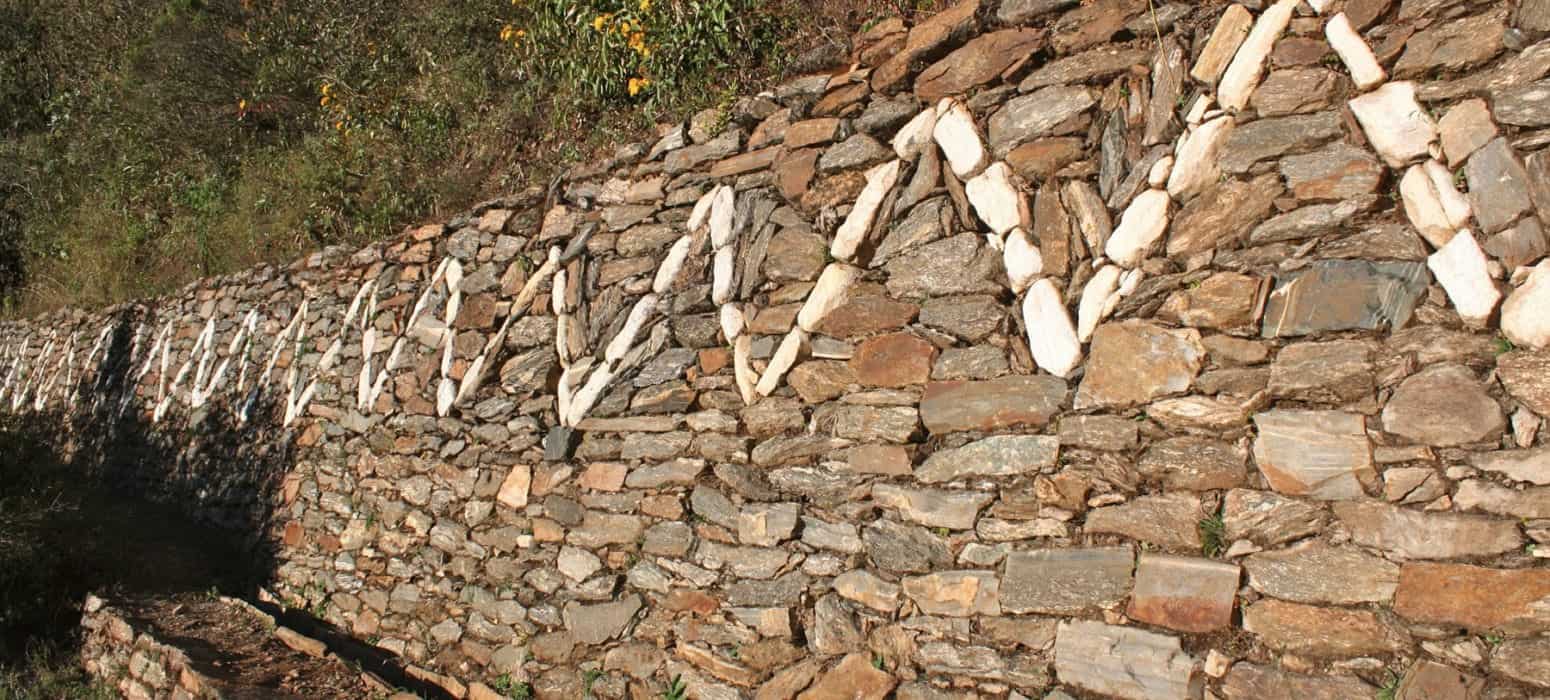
<point x="146" y="143"/>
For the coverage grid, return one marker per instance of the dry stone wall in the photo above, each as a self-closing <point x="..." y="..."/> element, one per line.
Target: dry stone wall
<point x="1083" y="349"/>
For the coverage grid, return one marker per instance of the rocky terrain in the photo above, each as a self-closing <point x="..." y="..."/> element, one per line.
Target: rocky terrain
<point x="1051" y="349"/>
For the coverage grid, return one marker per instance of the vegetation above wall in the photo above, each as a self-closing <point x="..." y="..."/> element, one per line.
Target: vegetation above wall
<point x="146" y="144"/>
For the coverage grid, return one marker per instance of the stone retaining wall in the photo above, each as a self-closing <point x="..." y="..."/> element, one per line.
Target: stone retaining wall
<point x="1136" y="352"/>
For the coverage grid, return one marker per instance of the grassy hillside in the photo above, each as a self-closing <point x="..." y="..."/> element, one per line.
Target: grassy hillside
<point x="145" y="143"/>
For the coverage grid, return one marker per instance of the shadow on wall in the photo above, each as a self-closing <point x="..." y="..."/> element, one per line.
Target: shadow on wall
<point x="95" y="498"/>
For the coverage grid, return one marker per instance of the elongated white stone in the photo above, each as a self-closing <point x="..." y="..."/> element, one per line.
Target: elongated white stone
<point x="1243" y="73"/>
<point x="1526" y="313"/>
<point x="582" y="402"/>
<point x="1160" y="172"/>
<point x="1395" y="124"/>
<point x="742" y="368"/>
<point x="1197" y="163"/>
<point x="1140" y="227"/>
<point x="671" y="265"/>
<point x="1024" y="263"/>
<point x="1354" y="52"/>
<point x="557" y="292"/>
<point x="1434" y="206"/>
<point x="915" y="135"/>
<point x="832" y="290"/>
<point x="1460" y="267"/>
<point x="997" y="200"/>
<point x="723" y="268"/>
<point x="1051" y="338"/>
<point x="639" y="315"/>
<point x="785" y="356"/>
<point x="723" y="210"/>
<point x="1197" y="111"/>
<point x="731" y="319"/>
<point x="1319" y="6"/>
<point x="1095" y="298"/>
<point x="879" y="181"/>
<point x="959" y="138"/>
<point x="701" y="211"/>
<point x="562" y="331"/>
<point x="446" y="392"/>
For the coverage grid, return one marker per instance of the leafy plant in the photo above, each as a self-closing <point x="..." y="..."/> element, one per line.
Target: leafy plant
<point x="676" y="690"/>
<point x="1213" y="535"/>
<point x="516" y="690"/>
<point x="1389" y="688"/>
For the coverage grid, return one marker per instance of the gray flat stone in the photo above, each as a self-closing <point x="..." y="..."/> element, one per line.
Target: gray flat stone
<point x="1335" y="295"/>
<point x="1066" y="581"/>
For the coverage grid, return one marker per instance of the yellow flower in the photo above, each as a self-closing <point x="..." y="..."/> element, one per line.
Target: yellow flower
<point x="645" y="5"/>
<point x="339" y="125"/>
<point x="600" y="20"/>
<point x="242" y="105"/>
<point x="506" y="33"/>
<point x="324" y="101"/>
<point x="327" y="88"/>
<point x="638" y="41"/>
<point x="637" y="85"/>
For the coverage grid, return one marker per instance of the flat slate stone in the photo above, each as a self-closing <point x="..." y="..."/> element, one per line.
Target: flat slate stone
<point x="1188" y="594"/>
<point x="1031" y="116"/>
<point x="1125" y="662"/>
<point x="981" y="60"/>
<point x="1431" y="680"/>
<point x="1334" y="295"/>
<point x="1453" y="45"/>
<point x="1222" y="213"/>
<point x="1523" y="105"/>
<point x="993" y="404"/>
<point x="1526" y="376"/>
<point x="1193" y="463"/>
<point x="1336" y="172"/>
<point x="1133" y="362"/>
<point x="1319" y="573"/>
<point x="1443" y="405"/>
<point x="1002" y="455"/>
<point x="1526" y="660"/>
<point x="1270" y="519"/>
<point x="1248" y="681"/>
<point x="1320" y="454"/>
<point x="1413" y="534"/>
<point x="1506" y="601"/>
<point x="1167" y="520"/>
<point x="1498" y="186"/>
<point x="1275" y="137"/>
<point x="1333" y="372"/>
<point x="955" y="510"/>
<point x="1319" y="632"/>
<point x="1066" y="581"/>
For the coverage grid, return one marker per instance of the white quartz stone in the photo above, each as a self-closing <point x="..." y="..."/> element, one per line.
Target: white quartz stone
<point x="672" y="264"/>
<point x="1140" y="227"/>
<point x="639" y="315"/>
<point x="1434" y="206"/>
<point x="1051" y="338"/>
<point x="1319" y="6"/>
<point x="722" y="268"/>
<point x="1197" y="111"/>
<point x="582" y="402"/>
<point x="879" y="181"/>
<point x="785" y="356"/>
<point x="1158" y="176"/>
<point x="1354" y="52"/>
<point x="1460" y="267"/>
<point x="701" y="212"/>
<point x="1095" y="298"/>
<point x="723" y="210"/>
<point x="1022" y="259"/>
<point x="731" y="319"/>
<point x="959" y="138"/>
<point x="832" y="290"/>
<point x="1197" y="164"/>
<point x="914" y="136"/>
<point x="1243" y="74"/>
<point x="1526" y="313"/>
<point x="997" y="200"/>
<point x="1396" y="125"/>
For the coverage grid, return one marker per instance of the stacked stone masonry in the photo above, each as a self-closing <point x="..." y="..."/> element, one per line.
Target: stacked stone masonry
<point x="1050" y="349"/>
